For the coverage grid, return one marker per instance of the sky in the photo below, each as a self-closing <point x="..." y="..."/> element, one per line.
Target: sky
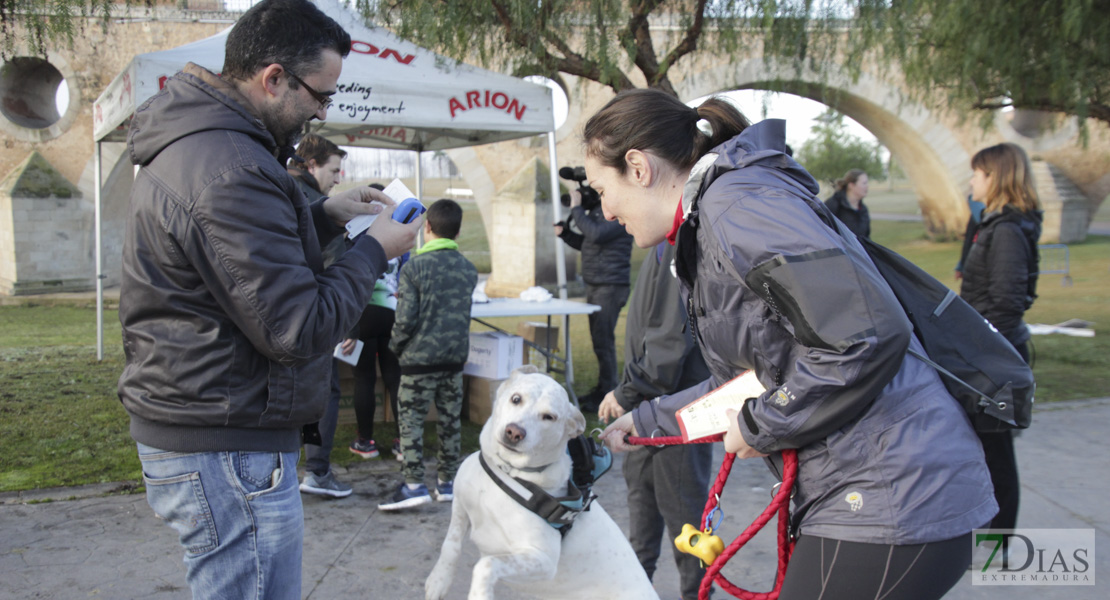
<point x="799" y="113"/>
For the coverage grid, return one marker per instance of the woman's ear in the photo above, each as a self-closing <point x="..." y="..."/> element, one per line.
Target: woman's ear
<point x="639" y="167"/>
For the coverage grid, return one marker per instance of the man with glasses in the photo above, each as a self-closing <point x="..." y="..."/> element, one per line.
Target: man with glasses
<point x="229" y="316"/>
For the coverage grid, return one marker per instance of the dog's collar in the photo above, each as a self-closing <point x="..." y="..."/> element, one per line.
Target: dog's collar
<point x="558" y="512"/>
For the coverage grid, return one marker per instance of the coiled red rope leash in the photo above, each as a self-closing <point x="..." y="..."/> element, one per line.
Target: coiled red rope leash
<point x="780" y="504"/>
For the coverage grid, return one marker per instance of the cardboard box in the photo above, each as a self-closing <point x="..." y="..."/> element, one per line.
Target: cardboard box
<point x="493" y="354"/>
<point x="480" y="395"/>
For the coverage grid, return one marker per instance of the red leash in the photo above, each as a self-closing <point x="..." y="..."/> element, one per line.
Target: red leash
<point x="780" y="504"/>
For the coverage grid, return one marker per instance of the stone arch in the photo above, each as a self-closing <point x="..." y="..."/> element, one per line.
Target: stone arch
<point x="932" y="157"/>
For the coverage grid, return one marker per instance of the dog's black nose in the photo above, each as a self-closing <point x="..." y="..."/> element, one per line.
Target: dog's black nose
<point x="514" y="433"/>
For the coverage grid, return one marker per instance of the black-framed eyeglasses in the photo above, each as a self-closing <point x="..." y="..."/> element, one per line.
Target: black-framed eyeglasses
<point x="325" y="101"/>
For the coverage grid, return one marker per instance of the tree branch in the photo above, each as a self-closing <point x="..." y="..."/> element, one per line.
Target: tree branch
<point x="636" y="39"/>
<point x="1097" y="111"/>
<point x="689" y="42"/>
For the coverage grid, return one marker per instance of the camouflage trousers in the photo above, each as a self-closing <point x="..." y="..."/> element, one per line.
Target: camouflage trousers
<point x="417" y="395"/>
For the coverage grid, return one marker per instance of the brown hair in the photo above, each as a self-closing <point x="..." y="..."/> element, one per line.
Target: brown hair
<point x="851" y="176"/>
<point x="1011" y="177"/>
<point x="319" y="149"/>
<point x="660" y="124"/>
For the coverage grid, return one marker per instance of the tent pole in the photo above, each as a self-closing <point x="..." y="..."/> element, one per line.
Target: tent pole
<point x="560" y="259"/>
<point x="420" y="191"/>
<point x="98" y="257"/>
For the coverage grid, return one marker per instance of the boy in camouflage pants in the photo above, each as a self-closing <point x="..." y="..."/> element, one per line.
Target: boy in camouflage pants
<point x="431" y="337"/>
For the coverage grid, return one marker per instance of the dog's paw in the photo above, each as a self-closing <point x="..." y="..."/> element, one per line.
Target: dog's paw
<point x="436" y="586"/>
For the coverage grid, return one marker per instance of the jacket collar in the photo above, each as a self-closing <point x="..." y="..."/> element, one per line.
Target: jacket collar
<point x="223" y="86"/>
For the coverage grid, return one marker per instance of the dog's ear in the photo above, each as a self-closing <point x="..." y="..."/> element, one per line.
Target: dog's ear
<point x="522" y="370"/>
<point x="525" y="370"/>
<point x="576" y="424"/>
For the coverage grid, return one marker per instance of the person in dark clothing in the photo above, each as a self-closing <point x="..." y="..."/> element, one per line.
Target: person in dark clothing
<point x="847" y="202"/>
<point x="606" y="264"/>
<point x="229" y="317"/>
<point x="668" y="485"/>
<point x="316" y="168"/>
<point x="888" y="464"/>
<point x="1000" y="281"/>
<point x="375" y="329"/>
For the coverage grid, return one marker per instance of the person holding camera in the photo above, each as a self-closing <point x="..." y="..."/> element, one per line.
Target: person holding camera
<point x="606" y="256"/>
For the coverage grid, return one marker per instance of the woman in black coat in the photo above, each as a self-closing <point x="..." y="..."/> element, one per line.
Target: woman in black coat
<point x="847" y="203"/>
<point x="1000" y="281"/>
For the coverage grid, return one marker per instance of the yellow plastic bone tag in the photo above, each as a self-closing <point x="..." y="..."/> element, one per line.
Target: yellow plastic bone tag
<point x="702" y="544"/>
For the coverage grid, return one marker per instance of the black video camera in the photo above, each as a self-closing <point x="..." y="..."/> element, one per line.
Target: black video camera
<point x="590" y="197"/>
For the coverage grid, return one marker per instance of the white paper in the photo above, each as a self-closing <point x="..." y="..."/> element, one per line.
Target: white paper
<point x="707" y="416"/>
<point x="352" y="358"/>
<point x="396" y="190"/>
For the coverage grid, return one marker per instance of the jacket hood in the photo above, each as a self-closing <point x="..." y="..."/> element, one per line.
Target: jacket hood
<point x="1029" y="222"/>
<point x="184" y="107"/>
<point x="761" y="145"/>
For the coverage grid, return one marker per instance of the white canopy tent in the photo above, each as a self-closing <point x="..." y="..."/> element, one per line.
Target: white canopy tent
<point x="391" y="94"/>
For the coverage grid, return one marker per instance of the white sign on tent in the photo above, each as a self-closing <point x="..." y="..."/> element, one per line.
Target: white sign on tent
<point x="392" y="93"/>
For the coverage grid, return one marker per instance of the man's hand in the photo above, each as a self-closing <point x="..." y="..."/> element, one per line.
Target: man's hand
<point x="559" y="228"/>
<point x="734" y="440"/>
<point x="347" y="347"/>
<point x="395" y="238"/>
<point x="609" y="408"/>
<point x="614" y="434"/>
<point x="363" y="200"/>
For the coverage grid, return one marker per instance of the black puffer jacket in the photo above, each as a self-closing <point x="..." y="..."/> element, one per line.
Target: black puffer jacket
<point x="605" y="246"/>
<point x="859" y="221"/>
<point x="1000" y="272"/>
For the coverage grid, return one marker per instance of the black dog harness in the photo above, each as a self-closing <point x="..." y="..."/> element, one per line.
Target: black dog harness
<point x="590" y="461"/>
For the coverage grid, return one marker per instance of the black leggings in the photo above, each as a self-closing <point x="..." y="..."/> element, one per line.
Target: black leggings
<point x="828" y="569"/>
<point x="375" y="328"/>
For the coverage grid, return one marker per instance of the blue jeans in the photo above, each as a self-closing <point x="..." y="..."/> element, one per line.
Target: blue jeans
<point x="239" y="518"/>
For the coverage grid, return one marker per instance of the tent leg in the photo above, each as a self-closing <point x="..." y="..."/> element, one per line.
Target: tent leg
<point x="99" y="261"/>
<point x="420" y="191"/>
<point x="560" y="262"/>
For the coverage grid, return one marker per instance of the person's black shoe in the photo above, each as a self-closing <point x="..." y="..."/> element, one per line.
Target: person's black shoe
<point x="590" y="401"/>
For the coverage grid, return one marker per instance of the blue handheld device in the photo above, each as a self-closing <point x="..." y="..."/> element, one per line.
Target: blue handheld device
<point x="408" y="210"/>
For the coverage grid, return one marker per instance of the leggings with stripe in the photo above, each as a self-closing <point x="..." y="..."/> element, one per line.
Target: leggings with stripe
<point x="828" y="569"/>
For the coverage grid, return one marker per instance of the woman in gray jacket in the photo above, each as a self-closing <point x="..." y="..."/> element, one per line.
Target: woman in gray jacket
<point x="891" y="475"/>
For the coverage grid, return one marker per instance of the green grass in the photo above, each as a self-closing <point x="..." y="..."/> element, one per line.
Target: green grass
<point x="61" y="422"/>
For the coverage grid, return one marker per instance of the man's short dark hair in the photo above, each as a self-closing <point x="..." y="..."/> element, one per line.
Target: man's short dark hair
<point x="292" y="33"/>
<point x="445" y="218"/>
<point x="318" y="148"/>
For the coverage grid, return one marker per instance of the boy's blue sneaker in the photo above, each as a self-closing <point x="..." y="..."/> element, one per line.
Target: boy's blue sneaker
<point x="407" y="498"/>
<point x="445" y="491"/>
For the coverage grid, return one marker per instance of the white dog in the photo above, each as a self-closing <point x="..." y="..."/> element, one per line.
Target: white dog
<point x="526" y="438"/>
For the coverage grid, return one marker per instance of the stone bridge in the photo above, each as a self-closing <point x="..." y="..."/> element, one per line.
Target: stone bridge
<point x="934" y="148"/>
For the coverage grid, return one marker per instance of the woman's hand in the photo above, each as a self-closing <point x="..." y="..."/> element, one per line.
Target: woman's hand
<point x="734" y="440"/>
<point x="348" y="347"/>
<point x="614" y="434"/>
<point x="609" y="408"/>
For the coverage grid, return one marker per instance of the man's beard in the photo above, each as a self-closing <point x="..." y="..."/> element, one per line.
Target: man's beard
<point x="286" y="128"/>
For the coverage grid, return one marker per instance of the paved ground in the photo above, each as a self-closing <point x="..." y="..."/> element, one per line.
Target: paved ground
<point x="113" y="547"/>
